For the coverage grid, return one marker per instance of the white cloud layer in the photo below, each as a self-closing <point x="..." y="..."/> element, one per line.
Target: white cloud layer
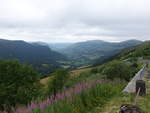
<point x="74" y="20"/>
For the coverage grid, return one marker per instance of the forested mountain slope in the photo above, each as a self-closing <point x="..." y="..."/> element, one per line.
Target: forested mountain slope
<point x="41" y="57"/>
<point x="142" y="50"/>
<point x="85" y="53"/>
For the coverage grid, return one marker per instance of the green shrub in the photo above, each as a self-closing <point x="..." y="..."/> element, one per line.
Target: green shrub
<point x="55" y="85"/>
<point x="18" y="84"/>
<point x="83" y="76"/>
<point x="118" y="69"/>
<point x="94" y="70"/>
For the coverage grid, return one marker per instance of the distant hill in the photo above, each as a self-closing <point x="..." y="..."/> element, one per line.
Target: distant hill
<point x="58" y="46"/>
<point x="142" y="50"/>
<point x="39" y="56"/>
<point x="89" y="52"/>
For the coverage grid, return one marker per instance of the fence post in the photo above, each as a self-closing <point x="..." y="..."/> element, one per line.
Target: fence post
<point x="140" y="84"/>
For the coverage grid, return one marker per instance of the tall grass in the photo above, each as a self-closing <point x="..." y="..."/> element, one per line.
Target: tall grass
<point x="81" y="98"/>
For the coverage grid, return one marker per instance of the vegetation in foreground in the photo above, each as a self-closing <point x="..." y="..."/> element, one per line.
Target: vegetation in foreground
<point x="81" y="98"/>
<point x="86" y="96"/>
<point x="18" y="81"/>
<point x="19" y="84"/>
<point x="113" y="105"/>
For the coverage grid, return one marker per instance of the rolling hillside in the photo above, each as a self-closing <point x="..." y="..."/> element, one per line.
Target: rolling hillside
<point x="58" y="46"/>
<point x="132" y="53"/>
<point x="89" y="52"/>
<point x="95" y="89"/>
<point x="40" y="57"/>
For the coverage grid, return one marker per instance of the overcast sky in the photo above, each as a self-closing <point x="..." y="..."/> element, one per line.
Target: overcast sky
<point x="74" y="20"/>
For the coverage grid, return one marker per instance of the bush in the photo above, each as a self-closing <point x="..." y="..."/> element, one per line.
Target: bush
<point x="55" y="85"/>
<point x="94" y="70"/>
<point x="18" y="84"/>
<point x="118" y="69"/>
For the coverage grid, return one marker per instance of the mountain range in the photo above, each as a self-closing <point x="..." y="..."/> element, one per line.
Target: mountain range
<point x="58" y="46"/>
<point x="41" y="57"/>
<point x="47" y="57"/>
<point x="89" y="52"/>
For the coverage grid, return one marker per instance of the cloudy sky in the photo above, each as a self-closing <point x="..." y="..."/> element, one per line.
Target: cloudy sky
<point x="74" y="20"/>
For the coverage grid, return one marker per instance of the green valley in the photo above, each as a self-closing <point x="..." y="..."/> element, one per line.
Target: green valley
<point x="89" y="90"/>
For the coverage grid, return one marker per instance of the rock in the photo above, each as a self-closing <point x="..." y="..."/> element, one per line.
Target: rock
<point x="129" y="108"/>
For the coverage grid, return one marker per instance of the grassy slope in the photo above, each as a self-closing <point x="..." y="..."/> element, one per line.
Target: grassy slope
<point x="142" y="50"/>
<point x="73" y="73"/>
<point x="85" y="101"/>
<point x="137" y="51"/>
<point x="113" y="105"/>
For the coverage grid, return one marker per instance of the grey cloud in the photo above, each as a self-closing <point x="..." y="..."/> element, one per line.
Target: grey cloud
<point x="74" y="20"/>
